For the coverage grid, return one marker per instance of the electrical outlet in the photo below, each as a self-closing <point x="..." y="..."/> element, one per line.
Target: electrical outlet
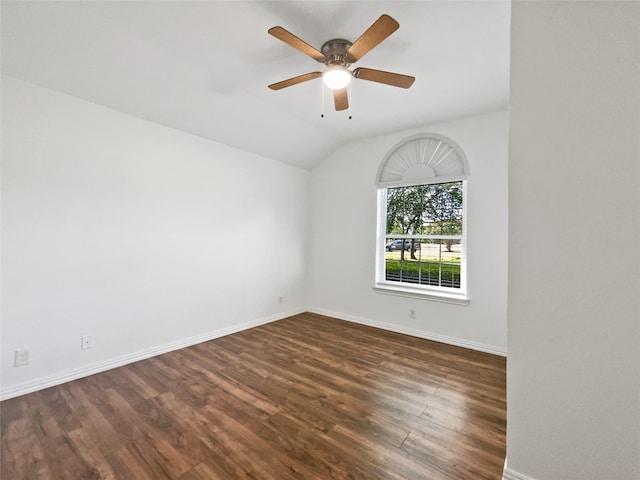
<point x="412" y="314"/>
<point x="87" y="341"/>
<point x="280" y="300"/>
<point x="21" y="358"/>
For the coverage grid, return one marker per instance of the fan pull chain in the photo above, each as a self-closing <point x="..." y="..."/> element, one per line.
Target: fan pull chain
<point x="322" y="97"/>
<point x="350" y="97"/>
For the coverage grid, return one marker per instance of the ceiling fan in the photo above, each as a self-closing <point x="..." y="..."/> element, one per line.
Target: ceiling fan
<point x="338" y="54"/>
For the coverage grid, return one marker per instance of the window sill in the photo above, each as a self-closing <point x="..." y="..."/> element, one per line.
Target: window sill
<point x="453" y="298"/>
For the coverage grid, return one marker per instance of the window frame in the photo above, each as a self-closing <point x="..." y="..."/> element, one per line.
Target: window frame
<point x="443" y="294"/>
<point x="421" y="159"/>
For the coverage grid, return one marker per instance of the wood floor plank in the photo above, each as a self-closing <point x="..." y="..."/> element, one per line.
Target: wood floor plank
<point x="22" y="455"/>
<point x="307" y="397"/>
<point x="91" y="454"/>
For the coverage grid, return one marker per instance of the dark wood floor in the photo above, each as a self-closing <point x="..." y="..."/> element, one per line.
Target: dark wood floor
<point x="308" y="397"/>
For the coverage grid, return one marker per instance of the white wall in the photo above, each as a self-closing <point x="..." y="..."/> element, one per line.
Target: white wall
<point x="145" y="237"/>
<point x="343" y="231"/>
<point x="574" y="263"/>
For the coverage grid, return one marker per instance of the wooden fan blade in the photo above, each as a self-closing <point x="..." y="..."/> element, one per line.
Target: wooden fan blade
<point x="388" y="78"/>
<point x="376" y="33"/>
<point x="290" y="39"/>
<point x="341" y="99"/>
<point x="295" y="80"/>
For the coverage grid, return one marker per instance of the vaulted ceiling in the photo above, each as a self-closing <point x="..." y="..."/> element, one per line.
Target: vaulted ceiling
<point x="204" y="67"/>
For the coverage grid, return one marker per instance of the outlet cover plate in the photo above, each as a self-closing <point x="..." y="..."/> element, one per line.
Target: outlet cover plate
<point x="87" y="341"/>
<point x="21" y="358"/>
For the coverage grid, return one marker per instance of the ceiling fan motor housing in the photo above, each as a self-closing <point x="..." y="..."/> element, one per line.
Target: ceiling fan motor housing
<point x="335" y="52"/>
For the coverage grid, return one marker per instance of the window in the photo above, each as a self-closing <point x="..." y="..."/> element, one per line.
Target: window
<point x="424" y="235"/>
<point x="421" y="248"/>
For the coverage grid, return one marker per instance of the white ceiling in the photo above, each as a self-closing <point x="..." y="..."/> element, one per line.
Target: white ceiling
<point x="204" y="67"/>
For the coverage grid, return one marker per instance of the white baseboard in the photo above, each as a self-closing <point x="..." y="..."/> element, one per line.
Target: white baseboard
<point x="513" y="475"/>
<point x="458" y="342"/>
<point x="85" y="371"/>
<point x="508" y="474"/>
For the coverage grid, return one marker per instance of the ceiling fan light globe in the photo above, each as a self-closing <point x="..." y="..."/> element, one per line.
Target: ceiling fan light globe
<point x="336" y="77"/>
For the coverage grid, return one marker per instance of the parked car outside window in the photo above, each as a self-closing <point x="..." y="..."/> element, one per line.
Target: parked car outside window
<point x="397" y="245"/>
